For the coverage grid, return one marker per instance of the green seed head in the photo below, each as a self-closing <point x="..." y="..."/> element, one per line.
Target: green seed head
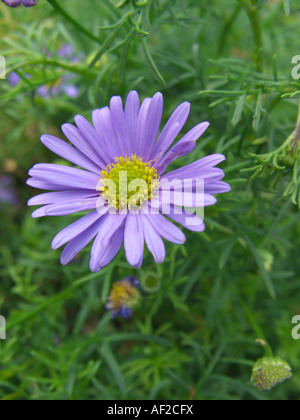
<point x="151" y="282"/>
<point x="270" y="372"/>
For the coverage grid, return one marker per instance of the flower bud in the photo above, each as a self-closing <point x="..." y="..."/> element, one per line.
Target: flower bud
<point x="270" y="372"/>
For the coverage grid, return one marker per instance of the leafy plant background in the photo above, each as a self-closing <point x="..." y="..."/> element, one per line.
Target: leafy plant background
<point x="195" y="337"/>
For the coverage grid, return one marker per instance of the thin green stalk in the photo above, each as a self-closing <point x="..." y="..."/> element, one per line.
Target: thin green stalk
<point x="61" y="296"/>
<point x="130" y="37"/>
<point x="252" y="12"/>
<point x="74" y="22"/>
<point x="108" y="41"/>
<point x="72" y="68"/>
<point x="228" y="26"/>
<point x="136" y="3"/>
<point x="258" y="331"/>
<point x="152" y="63"/>
<point x="296" y="132"/>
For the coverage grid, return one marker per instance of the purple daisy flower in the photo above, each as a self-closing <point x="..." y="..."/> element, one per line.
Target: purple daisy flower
<point x="16" y="3"/>
<point x="122" y="147"/>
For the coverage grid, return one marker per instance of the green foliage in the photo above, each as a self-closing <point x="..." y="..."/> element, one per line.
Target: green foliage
<point x="194" y="336"/>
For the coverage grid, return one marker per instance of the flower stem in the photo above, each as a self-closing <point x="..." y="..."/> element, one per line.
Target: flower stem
<point x="71" y="68"/>
<point x="257" y="329"/>
<point x="252" y="12"/>
<point x="74" y="22"/>
<point x="296" y="132"/>
<point x="228" y="26"/>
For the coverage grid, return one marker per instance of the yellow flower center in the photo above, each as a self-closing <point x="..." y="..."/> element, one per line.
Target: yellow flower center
<point x="128" y="183"/>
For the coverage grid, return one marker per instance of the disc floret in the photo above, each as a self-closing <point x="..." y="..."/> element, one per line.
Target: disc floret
<point x="128" y="183"/>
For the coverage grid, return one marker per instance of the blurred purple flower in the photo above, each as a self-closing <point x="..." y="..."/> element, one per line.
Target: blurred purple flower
<point x="8" y="194"/>
<point x="16" y="3"/>
<point x="71" y="91"/>
<point x="63" y="86"/>
<point x="14" y="79"/>
<point x="43" y="92"/>
<point x="124" y="297"/>
<point x="68" y="53"/>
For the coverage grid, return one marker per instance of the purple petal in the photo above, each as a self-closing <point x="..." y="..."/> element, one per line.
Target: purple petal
<point x="211" y="183"/>
<point x="120" y="125"/>
<point x="94" y="140"/>
<point x="44" y="185"/>
<point x="12" y="3"/>
<point x="186" y="219"/>
<point x="199" y="169"/>
<point x="187" y="199"/>
<point x="103" y="123"/>
<point x="217" y="188"/>
<point x="183" y="147"/>
<point x="80" y="242"/>
<point x="112" y="249"/>
<point x="68" y="152"/>
<point x="195" y="132"/>
<point x="141" y="125"/>
<point x="97" y="116"/>
<point x="63" y="209"/>
<point x="100" y="256"/>
<point x="207" y="175"/>
<point x="134" y="240"/>
<point x="74" y="135"/>
<point x="179" y="116"/>
<point x="111" y="225"/>
<point x="132" y="108"/>
<point x="176" y="152"/>
<point x="166" y="229"/>
<point x="75" y="229"/>
<point x="151" y="126"/>
<point x="65" y="176"/>
<point x="58" y="197"/>
<point x="29" y="3"/>
<point x="126" y="312"/>
<point x="210" y="160"/>
<point x="153" y="240"/>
